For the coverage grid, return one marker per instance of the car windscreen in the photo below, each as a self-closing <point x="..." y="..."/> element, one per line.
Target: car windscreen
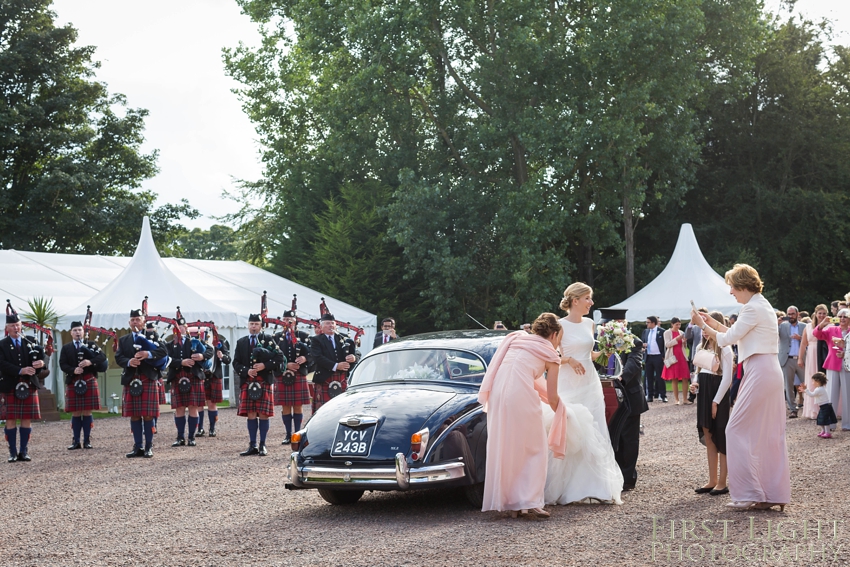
<point x="437" y="365"/>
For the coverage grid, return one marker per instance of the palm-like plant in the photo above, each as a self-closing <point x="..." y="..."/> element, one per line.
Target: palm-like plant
<point x="41" y="312"/>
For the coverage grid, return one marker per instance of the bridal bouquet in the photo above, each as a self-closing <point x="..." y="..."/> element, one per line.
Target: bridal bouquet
<point x="613" y="337"/>
<point x="416" y="372"/>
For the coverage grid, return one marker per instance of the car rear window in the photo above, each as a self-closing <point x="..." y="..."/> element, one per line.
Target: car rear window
<point x="433" y="365"/>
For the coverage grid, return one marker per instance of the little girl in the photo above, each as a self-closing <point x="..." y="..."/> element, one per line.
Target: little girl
<point x="826" y="416"/>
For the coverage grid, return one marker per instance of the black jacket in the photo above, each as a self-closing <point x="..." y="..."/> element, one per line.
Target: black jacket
<point x="224" y="347"/>
<point x="242" y="359"/>
<point x="326" y="356"/>
<point x="11" y="362"/>
<point x="632" y="366"/>
<point x="179" y="353"/>
<point x="293" y="351"/>
<point x="70" y="358"/>
<point x="379" y="339"/>
<point x="126" y="351"/>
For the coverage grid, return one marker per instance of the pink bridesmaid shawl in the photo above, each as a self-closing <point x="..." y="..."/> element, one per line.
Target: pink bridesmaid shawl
<point x="543" y="349"/>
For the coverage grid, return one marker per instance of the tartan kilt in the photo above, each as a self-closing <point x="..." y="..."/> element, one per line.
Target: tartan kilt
<point x="214" y="389"/>
<point x="195" y="397"/>
<point x="146" y="405"/>
<point x="23" y="409"/>
<point x="296" y="395"/>
<point x="162" y="399"/>
<point x="88" y="401"/>
<point x="320" y="391"/>
<point x="265" y="405"/>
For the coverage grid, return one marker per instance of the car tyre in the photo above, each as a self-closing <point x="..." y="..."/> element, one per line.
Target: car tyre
<point x="475" y="494"/>
<point x="340" y="497"/>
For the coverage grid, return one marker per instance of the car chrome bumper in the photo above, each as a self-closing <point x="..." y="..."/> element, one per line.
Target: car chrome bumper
<point x="399" y="477"/>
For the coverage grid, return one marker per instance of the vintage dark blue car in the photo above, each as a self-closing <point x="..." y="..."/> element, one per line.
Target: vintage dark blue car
<point x="409" y="420"/>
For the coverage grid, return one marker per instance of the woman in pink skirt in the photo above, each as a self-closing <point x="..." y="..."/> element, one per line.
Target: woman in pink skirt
<point x="517" y="446"/>
<point x="674" y="339"/>
<point x="756" y="453"/>
<point x="809" y="360"/>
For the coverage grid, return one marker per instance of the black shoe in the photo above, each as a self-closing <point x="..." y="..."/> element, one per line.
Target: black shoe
<point x="704" y="490"/>
<point x="191" y="442"/>
<point x="719" y="492"/>
<point x="252" y="450"/>
<point x="86" y="445"/>
<point x="793" y="414"/>
<point x="24" y="457"/>
<point x="627" y="487"/>
<point x="200" y="432"/>
<point x="212" y="432"/>
<point x="649" y="400"/>
<point x="263" y="451"/>
<point x="75" y="445"/>
<point x="179" y="443"/>
<point x="13" y="459"/>
<point x="286" y="440"/>
<point x="148" y="453"/>
<point x="139" y="452"/>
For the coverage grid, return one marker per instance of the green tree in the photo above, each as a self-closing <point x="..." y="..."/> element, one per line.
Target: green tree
<point x="70" y="151"/>
<point x="217" y="243"/>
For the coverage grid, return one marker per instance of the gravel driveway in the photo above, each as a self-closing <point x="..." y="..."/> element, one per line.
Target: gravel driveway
<point x="206" y="506"/>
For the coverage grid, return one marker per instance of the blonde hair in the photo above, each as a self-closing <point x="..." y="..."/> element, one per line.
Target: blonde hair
<point x="574" y="291"/>
<point x="546" y="325"/>
<point x="744" y="277"/>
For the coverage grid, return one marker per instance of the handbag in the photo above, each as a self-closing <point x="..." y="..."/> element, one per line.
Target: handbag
<point x="707" y="360"/>
<point x="670" y="360"/>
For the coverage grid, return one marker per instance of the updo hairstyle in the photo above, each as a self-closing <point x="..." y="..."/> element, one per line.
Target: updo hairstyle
<point x="744" y="277"/>
<point x="546" y="325"/>
<point x="574" y="291"/>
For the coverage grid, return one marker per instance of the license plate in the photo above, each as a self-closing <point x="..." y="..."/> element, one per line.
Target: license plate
<point x="353" y="442"/>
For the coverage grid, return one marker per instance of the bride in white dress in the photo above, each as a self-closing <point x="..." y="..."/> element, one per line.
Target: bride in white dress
<point x="589" y="469"/>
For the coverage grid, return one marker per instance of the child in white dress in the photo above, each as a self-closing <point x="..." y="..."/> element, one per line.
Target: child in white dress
<point x="826" y="415"/>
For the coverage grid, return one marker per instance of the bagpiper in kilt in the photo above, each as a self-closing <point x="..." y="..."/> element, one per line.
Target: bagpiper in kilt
<point x="330" y="352"/>
<point x="257" y="376"/>
<point x="20" y="360"/>
<point x="214" y="386"/>
<point x="139" y="356"/>
<point x="81" y="360"/>
<point x="290" y="386"/>
<point x="186" y="369"/>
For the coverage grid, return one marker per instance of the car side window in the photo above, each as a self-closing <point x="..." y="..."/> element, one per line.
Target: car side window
<point x="431" y="365"/>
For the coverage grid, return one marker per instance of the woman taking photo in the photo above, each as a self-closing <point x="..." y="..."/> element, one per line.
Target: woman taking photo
<point x="715" y="367"/>
<point x="757" y="456"/>
<point x="808" y="360"/>
<point x="838" y="376"/>
<point x="517" y="447"/>
<point x="674" y="339"/>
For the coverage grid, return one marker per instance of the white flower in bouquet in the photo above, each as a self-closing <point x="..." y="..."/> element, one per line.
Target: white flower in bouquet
<point x="416" y="372"/>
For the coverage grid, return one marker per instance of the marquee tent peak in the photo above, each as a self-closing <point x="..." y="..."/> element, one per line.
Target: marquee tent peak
<point x="687" y="276"/>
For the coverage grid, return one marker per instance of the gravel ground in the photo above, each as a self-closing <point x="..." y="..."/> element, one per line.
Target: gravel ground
<point x="206" y="506"/>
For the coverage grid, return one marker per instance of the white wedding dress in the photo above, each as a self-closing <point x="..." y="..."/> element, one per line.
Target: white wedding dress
<point x="589" y="469"/>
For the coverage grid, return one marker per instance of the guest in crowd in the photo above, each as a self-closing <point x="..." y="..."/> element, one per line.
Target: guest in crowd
<point x="713" y="407"/>
<point x="517" y="446"/>
<point x="653" y="341"/>
<point x="809" y="360"/>
<point x="790" y="338"/>
<point x="678" y="372"/>
<point x="387" y="333"/>
<point x="839" y="378"/>
<point x="826" y="415"/>
<point x="757" y="455"/>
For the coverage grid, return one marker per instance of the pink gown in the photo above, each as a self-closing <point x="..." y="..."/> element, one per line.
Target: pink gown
<point x="680" y="370"/>
<point x="517" y="444"/>
<point x="810" y="408"/>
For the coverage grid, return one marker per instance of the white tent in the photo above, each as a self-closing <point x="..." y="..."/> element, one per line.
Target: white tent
<point x="686" y="277"/>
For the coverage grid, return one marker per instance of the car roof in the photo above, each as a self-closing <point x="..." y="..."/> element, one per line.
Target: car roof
<point x="482" y="342"/>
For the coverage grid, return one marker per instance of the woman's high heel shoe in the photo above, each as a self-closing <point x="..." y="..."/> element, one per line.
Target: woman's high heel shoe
<point x="768" y="506"/>
<point x="540" y="512"/>
<point x="740" y="505"/>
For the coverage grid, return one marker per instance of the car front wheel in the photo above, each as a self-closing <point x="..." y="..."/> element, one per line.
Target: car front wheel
<point x="340" y="496"/>
<point x="475" y="494"/>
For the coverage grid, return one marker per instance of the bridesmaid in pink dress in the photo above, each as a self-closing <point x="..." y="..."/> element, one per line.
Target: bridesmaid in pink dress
<point x="517" y="445"/>
<point x="809" y="361"/>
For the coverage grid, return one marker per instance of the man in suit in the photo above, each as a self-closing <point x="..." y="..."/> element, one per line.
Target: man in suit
<point x="214" y="386"/>
<point x="629" y="442"/>
<point x="790" y="334"/>
<point x="138" y="357"/>
<point x="20" y="361"/>
<point x="387" y="333"/>
<point x="81" y="360"/>
<point x="653" y="341"/>
<point x="186" y="376"/>
<point x="333" y="361"/>
<point x="256" y="375"/>
<point x="290" y="386"/>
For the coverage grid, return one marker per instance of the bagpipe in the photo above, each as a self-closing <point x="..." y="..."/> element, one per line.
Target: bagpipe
<point x="35" y="350"/>
<point x="265" y="351"/>
<point x="199" y="333"/>
<point x="314" y="323"/>
<point x="358" y="331"/>
<point x="87" y="328"/>
<point x="289" y="331"/>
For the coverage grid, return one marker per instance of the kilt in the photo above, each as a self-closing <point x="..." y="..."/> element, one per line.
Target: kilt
<point x="193" y="398"/>
<point x="265" y="405"/>
<point x="88" y="401"/>
<point x="22" y="409"/>
<point x="214" y="389"/>
<point x="296" y="395"/>
<point x="162" y="399"/>
<point x="146" y="405"/>
<point x="320" y="391"/>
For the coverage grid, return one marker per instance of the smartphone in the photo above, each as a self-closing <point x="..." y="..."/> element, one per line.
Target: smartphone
<point x="694" y="307"/>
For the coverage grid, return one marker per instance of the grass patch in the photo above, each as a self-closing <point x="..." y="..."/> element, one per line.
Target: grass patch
<point x="64" y="416"/>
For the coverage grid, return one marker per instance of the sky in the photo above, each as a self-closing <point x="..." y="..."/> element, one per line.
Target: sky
<point x="165" y="56"/>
